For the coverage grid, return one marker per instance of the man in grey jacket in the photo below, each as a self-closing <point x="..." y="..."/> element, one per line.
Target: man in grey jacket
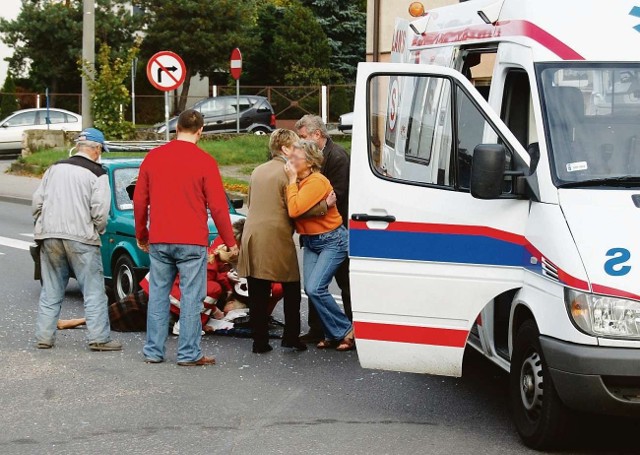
<point x="70" y="208"/>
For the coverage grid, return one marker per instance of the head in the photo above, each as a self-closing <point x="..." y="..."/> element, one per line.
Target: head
<point x="91" y="142"/>
<point x="238" y="228"/>
<point x="281" y="142"/>
<point x="306" y="158"/>
<point x="190" y="124"/>
<point x="312" y="128"/>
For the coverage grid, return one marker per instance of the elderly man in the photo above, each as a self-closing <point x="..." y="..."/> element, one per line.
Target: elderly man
<point x="70" y="208"/>
<point x="336" y="168"/>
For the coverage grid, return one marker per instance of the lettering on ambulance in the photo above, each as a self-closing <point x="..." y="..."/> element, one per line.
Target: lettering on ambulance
<point x="614" y="266"/>
<point x="398" y="43"/>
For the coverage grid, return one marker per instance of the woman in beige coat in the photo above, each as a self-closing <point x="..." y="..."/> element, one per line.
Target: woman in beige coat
<point x="268" y="253"/>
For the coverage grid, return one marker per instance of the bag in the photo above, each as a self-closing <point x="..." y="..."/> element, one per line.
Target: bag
<point x="130" y="313"/>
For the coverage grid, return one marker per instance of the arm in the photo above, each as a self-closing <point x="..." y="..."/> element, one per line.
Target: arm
<point x="300" y="200"/>
<point x="141" y="206"/>
<point x="100" y="203"/>
<point x="38" y="198"/>
<point x="218" y="206"/>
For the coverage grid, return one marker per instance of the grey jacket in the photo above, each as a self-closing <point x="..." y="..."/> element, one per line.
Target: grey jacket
<point x="72" y="201"/>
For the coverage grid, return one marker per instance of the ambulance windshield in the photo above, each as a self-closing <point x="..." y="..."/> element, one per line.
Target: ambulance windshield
<point x="592" y="117"/>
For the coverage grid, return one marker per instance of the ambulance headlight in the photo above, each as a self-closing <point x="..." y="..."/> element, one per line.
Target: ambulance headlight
<point x="603" y="316"/>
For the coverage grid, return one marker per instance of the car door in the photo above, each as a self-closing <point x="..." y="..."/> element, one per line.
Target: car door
<point x="12" y="128"/>
<point x="426" y="256"/>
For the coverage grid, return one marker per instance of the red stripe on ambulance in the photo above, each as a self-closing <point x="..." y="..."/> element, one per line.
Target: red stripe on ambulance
<point x="455" y="338"/>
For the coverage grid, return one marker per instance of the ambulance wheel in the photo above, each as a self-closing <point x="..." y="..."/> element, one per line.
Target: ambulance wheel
<point x="539" y="414"/>
<point x="124" y="282"/>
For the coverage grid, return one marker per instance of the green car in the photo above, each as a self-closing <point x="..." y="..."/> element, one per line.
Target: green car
<point x="123" y="262"/>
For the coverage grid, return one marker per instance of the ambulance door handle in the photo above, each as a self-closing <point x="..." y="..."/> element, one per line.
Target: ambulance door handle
<point x="367" y="217"/>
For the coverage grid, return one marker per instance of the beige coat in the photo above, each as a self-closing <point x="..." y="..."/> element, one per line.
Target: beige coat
<point x="267" y="250"/>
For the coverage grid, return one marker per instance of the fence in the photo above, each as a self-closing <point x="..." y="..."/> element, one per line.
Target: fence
<point x="289" y="102"/>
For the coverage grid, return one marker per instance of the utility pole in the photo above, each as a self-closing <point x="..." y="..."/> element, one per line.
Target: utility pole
<point x="88" y="55"/>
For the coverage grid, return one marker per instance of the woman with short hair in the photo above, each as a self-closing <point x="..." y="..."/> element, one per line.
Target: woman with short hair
<point x="324" y="239"/>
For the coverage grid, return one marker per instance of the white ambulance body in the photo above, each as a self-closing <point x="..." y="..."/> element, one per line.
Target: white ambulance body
<point x="502" y="209"/>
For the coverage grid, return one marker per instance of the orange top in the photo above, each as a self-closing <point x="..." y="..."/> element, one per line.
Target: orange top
<point x="304" y="195"/>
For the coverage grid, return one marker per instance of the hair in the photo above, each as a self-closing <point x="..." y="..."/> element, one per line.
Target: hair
<point x="312" y="154"/>
<point x="312" y="123"/>
<point x="238" y="229"/>
<point x="89" y="144"/>
<point x="190" y="121"/>
<point x="279" y="138"/>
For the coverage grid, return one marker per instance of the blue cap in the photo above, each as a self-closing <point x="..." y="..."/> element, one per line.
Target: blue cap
<point x="94" y="135"/>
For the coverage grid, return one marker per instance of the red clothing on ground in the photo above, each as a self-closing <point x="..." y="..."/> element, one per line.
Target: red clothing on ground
<point x="176" y="184"/>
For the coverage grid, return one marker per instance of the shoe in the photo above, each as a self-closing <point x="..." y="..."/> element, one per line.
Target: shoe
<point x="326" y="344"/>
<point x="261" y="348"/>
<point x="311" y="337"/>
<point x="108" y="346"/>
<point x="203" y="361"/>
<point x="296" y="345"/>
<point x="149" y="360"/>
<point x="347" y="344"/>
<point x="43" y="345"/>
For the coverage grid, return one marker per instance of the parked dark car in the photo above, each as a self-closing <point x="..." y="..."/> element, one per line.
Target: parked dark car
<point x="256" y="115"/>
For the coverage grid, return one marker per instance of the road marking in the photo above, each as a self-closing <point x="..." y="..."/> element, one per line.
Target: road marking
<point x="30" y="235"/>
<point x="336" y="297"/>
<point x="13" y="243"/>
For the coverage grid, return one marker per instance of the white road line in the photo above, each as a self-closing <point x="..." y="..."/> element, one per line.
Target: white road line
<point x="337" y="297"/>
<point x="30" y="235"/>
<point x="13" y="243"/>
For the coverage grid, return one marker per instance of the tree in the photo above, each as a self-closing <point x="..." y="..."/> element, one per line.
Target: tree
<point x="108" y="92"/>
<point x="8" y="103"/>
<point x="292" y="48"/>
<point x="46" y="39"/>
<point x="344" y="22"/>
<point x="201" y="32"/>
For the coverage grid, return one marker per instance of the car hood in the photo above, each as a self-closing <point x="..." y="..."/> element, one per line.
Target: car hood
<point x="604" y="224"/>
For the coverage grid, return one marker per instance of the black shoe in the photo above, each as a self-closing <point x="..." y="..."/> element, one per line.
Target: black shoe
<point x="261" y="348"/>
<point x="296" y="345"/>
<point x="311" y="337"/>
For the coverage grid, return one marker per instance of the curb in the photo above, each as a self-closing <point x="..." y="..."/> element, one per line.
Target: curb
<point x="15" y="200"/>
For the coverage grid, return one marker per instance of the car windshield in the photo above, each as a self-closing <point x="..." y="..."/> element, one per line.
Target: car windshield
<point x="592" y="116"/>
<point x="122" y="178"/>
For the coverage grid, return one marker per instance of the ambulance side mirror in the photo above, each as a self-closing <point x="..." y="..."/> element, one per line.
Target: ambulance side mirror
<point x="487" y="171"/>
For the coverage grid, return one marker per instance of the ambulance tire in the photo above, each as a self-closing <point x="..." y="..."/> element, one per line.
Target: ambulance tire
<point x="540" y="416"/>
<point x="124" y="282"/>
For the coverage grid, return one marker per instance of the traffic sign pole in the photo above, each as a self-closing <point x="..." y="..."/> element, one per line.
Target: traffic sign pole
<point x="235" y="65"/>
<point x="166" y="115"/>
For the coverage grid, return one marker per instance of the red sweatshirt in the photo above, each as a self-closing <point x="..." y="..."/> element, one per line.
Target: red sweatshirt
<point x="176" y="184"/>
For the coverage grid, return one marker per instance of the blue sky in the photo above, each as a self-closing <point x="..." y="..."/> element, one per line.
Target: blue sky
<point x="10" y="10"/>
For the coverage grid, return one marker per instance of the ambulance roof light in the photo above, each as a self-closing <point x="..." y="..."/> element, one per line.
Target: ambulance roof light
<point x="491" y="13"/>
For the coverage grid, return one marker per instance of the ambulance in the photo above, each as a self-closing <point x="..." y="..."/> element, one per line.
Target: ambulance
<point x="495" y="203"/>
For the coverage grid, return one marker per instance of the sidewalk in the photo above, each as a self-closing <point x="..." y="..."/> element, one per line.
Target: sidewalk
<point x="15" y="188"/>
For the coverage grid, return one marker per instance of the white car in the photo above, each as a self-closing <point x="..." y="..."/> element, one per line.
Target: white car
<point x="345" y="123"/>
<point x="12" y="127"/>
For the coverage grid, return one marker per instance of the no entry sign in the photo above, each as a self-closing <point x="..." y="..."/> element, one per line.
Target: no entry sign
<point x="166" y="71"/>
<point x="236" y="64"/>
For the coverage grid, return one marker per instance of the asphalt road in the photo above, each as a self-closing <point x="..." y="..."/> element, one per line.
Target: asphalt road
<point x="73" y="401"/>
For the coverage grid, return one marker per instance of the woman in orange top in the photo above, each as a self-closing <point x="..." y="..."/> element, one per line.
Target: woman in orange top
<point x="324" y="239"/>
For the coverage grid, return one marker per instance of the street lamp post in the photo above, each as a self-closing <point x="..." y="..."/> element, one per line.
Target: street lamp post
<point x="88" y="57"/>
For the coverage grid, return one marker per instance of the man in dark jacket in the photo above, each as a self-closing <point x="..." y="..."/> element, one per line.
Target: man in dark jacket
<point x="336" y="168"/>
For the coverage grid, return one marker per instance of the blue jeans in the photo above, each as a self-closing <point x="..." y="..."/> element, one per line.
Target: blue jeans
<point x="323" y="254"/>
<point x="167" y="260"/>
<point x="57" y="258"/>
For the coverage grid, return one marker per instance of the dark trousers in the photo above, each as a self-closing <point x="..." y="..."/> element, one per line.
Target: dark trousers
<point x="259" y="293"/>
<point x="342" y="279"/>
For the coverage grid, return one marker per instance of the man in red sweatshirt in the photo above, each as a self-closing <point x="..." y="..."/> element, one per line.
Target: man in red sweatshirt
<point x="177" y="183"/>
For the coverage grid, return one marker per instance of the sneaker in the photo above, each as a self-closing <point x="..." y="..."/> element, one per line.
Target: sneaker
<point x="108" y="346"/>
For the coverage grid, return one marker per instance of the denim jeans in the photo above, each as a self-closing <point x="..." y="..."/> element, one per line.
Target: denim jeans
<point x="167" y="260"/>
<point x="323" y="254"/>
<point x="57" y="258"/>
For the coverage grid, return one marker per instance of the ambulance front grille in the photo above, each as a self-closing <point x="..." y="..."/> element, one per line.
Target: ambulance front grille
<point x="549" y="270"/>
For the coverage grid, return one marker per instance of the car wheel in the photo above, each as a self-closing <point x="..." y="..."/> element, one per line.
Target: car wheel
<point x="539" y="414"/>
<point x="124" y="282"/>
<point x="260" y="131"/>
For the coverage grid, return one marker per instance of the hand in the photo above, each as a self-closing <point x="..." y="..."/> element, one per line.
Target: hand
<point x="143" y="245"/>
<point x="331" y="199"/>
<point x="291" y="172"/>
